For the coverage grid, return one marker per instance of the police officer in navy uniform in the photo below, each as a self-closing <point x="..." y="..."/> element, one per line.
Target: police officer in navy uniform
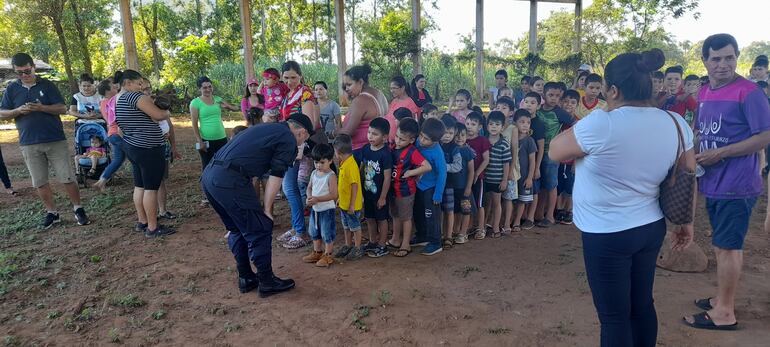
<point x="265" y="148"/>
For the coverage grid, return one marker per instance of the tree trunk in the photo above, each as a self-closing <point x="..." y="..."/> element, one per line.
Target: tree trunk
<point x="82" y="37"/>
<point x="315" y="33"/>
<point x="291" y="30"/>
<point x="199" y="17"/>
<point x="57" y="26"/>
<point x="353" y="33"/>
<point x="329" y="28"/>
<point x="263" y="35"/>
<point x="157" y="59"/>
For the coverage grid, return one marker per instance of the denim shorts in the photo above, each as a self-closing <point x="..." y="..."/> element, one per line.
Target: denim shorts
<point x="351" y="222"/>
<point x="549" y="174"/>
<point x="322" y="225"/>
<point x="730" y="220"/>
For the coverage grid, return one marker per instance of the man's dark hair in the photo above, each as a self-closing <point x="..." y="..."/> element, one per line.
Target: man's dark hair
<point x="502" y="72"/>
<point x="496" y="117"/>
<point x="550" y="85"/>
<point x="476" y="117"/>
<point x="675" y="69"/>
<point x="593" y="78"/>
<point x="322" y="151"/>
<point x="521" y="113"/>
<point x="507" y="102"/>
<point x="433" y="129"/>
<point x="409" y="127"/>
<point x="343" y="144"/>
<point x="572" y="94"/>
<point x="535" y="95"/>
<point x="21" y="59"/>
<point x="402" y="112"/>
<point x="381" y="125"/>
<point x="717" y="42"/>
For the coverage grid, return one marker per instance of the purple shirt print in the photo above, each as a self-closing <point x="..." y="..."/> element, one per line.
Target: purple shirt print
<point x="727" y="115"/>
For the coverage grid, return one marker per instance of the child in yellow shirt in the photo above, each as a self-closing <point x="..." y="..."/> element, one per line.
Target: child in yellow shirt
<point x="350" y="198"/>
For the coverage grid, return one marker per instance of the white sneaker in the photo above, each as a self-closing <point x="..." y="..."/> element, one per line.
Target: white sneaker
<point x="286" y="236"/>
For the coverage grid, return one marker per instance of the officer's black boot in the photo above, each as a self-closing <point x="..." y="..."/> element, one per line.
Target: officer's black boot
<point x="269" y="284"/>
<point x="247" y="284"/>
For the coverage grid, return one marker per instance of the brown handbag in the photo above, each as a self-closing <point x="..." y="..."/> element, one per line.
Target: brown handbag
<point x="677" y="190"/>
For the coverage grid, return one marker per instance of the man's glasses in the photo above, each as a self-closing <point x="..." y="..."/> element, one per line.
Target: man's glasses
<point x="24" y="72"/>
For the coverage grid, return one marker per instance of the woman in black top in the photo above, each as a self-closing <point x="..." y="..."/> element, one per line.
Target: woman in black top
<point x="137" y="117"/>
<point x="419" y="93"/>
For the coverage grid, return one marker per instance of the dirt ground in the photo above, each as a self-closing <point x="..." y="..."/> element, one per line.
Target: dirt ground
<point x="104" y="283"/>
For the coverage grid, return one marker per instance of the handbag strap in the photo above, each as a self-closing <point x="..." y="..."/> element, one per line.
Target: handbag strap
<point x="679" y="149"/>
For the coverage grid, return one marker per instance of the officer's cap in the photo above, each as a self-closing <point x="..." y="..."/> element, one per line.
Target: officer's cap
<point x="304" y="121"/>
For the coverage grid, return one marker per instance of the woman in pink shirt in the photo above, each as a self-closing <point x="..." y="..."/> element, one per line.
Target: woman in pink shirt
<point x="367" y="103"/>
<point x="109" y="92"/>
<point x="401" y="98"/>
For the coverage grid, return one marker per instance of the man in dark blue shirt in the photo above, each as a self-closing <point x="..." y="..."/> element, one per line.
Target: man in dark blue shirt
<point x="266" y="148"/>
<point x="35" y="104"/>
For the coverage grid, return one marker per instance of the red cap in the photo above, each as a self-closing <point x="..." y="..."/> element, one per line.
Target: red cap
<point x="253" y="81"/>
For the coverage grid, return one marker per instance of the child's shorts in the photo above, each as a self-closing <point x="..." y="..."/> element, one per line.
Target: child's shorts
<point x="492" y="187"/>
<point x="464" y="204"/>
<point x="478" y="192"/>
<point x="322" y="225"/>
<point x="402" y="207"/>
<point x="566" y="179"/>
<point x="536" y="187"/>
<point x="526" y="195"/>
<point x="372" y="212"/>
<point x="512" y="192"/>
<point x="448" y="201"/>
<point x="351" y="222"/>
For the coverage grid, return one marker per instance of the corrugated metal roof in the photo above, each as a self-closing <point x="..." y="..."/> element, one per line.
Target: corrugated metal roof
<point x="5" y="64"/>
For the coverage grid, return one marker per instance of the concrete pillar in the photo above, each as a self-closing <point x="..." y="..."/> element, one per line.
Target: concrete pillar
<point x="248" y="51"/>
<point x="576" y="46"/>
<point x="339" y="13"/>
<point x="416" y="58"/>
<point x="480" y="49"/>
<point x="533" y="26"/>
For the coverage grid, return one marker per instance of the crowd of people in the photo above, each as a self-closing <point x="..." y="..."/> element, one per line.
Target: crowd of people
<point x="545" y="153"/>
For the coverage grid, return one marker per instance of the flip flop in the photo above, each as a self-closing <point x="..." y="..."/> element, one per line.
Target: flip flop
<point x="390" y="245"/>
<point x="704" y="304"/>
<point x="402" y="253"/>
<point x="703" y="321"/>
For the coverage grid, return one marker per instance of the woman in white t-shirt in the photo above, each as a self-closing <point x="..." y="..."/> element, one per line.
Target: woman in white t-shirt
<point x="623" y="155"/>
<point x="85" y="104"/>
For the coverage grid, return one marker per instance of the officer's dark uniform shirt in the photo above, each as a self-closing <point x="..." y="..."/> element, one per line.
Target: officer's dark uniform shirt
<point x="260" y="149"/>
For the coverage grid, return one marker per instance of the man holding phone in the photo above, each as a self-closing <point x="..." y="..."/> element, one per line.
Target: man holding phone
<point x="35" y="104"/>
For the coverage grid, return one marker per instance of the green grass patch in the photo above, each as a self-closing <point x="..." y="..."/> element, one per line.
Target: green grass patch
<point x="128" y="301"/>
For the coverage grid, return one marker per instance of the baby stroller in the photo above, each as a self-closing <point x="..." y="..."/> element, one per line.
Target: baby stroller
<point x="83" y="133"/>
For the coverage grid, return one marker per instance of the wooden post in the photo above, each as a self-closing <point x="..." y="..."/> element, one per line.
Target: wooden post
<point x="578" y="26"/>
<point x="129" y="40"/>
<point x="417" y="57"/>
<point x="533" y="26"/>
<point x="248" y="50"/>
<point x="339" y="13"/>
<point x="480" y="48"/>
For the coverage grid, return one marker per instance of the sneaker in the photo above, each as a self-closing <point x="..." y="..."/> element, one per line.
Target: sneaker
<point x="80" y="216"/>
<point x="160" y="231"/>
<point x="431" y="249"/>
<point x="379" y="251"/>
<point x="325" y="261"/>
<point x="49" y="220"/>
<point x="295" y="242"/>
<point x="527" y="224"/>
<point x="313" y="257"/>
<point x="370" y="246"/>
<point x="167" y="215"/>
<point x="567" y="220"/>
<point x="355" y="254"/>
<point x="544" y="224"/>
<point x="460" y="239"/>
<point x="140" y="227"/>
<point x="285" y="236"/>
<point x="343" y="251"/>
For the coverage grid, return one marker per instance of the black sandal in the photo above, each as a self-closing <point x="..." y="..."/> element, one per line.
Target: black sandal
<point x="402" y="252"/>
<point x="703" y="321"/>
<point x="704" y="304"/>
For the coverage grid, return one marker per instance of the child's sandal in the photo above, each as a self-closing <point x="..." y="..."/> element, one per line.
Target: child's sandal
<point x="448" y="243"/>
<point x="496" y="235"/>
<point x="480" y="234"/>
<point x="506" y="231"/>
<point x="516" y="229"/>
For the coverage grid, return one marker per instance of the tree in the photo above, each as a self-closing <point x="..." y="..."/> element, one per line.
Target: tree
<point x="191" y="60"/>
<point x="387" y="43"/>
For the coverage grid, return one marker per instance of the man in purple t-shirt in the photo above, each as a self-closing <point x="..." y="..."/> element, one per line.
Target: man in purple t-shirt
<point x="733" y="121"/>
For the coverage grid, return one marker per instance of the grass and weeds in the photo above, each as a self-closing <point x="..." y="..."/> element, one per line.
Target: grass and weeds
<point x="357" y="318"/>
<point x="128" y="301"/>
<point x="467" y="270"/>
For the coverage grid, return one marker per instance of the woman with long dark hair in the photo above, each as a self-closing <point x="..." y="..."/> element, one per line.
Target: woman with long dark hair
<point x="620" y="167"/>
<point x="418" y="92"/>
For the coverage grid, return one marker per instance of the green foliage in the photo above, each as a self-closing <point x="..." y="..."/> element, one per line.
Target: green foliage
<point x="128" y="301"/>
<point x="192" y="59"/>
<point x="387" y="42"/>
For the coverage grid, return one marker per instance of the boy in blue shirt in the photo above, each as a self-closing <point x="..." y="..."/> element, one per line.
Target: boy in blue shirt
<point x="430" y="189"/>
<point x="376" y="163"/>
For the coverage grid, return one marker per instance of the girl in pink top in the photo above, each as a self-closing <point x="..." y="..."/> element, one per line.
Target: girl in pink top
<point x="462" y="103"/>
<point x="366" y="104"/>
<point x="401" y="98"/>
<point x="252" y="99"/>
